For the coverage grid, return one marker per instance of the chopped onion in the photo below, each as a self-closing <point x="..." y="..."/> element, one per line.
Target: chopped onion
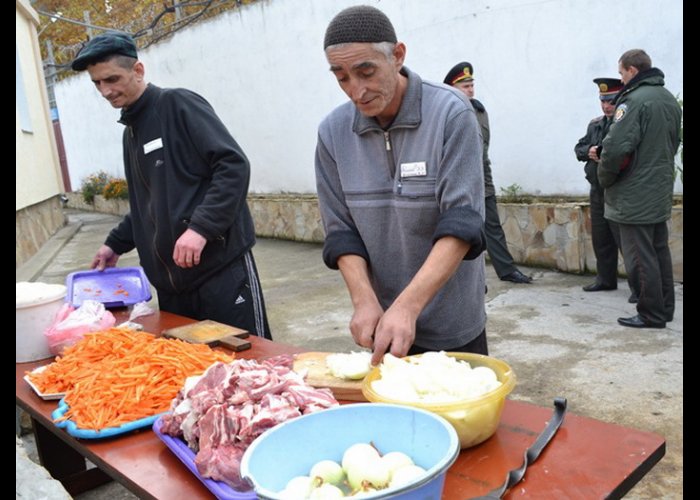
<point x="433" y="377"/>
<point x="351" y="366"/>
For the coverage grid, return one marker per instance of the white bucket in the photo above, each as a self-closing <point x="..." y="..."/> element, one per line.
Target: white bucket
<point x="37" y="305"/>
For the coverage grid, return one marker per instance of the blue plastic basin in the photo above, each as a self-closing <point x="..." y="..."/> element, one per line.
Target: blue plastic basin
<point x="293" y="447"/>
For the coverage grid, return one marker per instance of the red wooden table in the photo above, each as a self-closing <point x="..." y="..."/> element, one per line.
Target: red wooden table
<point x="586" y="459"/>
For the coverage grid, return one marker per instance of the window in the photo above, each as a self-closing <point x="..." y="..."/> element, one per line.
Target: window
<point x="25" y="120"/>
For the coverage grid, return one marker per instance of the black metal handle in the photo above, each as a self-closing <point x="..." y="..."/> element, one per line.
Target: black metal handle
<point x="533" y="451"/>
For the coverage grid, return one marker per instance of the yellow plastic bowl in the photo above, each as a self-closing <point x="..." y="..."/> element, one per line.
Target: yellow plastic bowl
<point x="476" y="419"/>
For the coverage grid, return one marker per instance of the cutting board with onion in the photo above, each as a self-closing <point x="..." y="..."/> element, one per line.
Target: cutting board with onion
<point x="318" y="375"/>
<point x="211" y="333"/>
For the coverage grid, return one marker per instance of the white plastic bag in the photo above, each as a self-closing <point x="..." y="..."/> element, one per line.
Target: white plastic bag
<point x="70" y="324"/>
<point x="139" y="309"/>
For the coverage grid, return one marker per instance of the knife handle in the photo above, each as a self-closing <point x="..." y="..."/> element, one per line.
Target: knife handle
<point x="234" y="343"/>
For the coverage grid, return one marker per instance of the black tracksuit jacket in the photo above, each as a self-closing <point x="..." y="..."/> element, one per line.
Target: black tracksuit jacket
<point x="183" y="170"/>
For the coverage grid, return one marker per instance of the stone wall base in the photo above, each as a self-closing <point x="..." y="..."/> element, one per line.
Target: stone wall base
<point x="559" y="236"/>
<point x="34" y="225"/>
<point x="550" y="235"/>
<point x="287" y="216"/>
<point x="114" y="207"/>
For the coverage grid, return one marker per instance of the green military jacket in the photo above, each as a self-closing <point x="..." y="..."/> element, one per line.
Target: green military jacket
<point x="637" y="163"/>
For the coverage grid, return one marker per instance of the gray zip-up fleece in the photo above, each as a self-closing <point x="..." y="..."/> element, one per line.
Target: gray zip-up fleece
<point x="388" y="195"/>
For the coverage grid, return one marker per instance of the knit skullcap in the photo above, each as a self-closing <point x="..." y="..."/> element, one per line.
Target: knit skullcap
<point x="359" y="24"/>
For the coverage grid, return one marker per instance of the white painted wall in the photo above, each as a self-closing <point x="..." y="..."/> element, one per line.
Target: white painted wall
<point x="37" y="169"/>
<point x="263" y="69"/>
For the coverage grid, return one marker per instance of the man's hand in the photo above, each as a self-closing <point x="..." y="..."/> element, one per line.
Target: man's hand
<point x="593" y="153"/>
<point x="396" y="328"/>
<point x="367" y="309"/>
<point x="364" y="322"/>
<point x="188" y="248"/>
<point x="105" y="257"/>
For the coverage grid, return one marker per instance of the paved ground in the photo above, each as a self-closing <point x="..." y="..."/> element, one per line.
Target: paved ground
<point x="559" y="340"/>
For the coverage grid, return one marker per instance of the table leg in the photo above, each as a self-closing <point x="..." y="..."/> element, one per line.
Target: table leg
<point x="64" y="463"/>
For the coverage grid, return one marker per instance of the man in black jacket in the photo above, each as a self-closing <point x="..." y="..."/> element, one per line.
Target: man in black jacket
<point x="461" y="76"/>
<point x="603" y="232"/>
<point x="188" y="181"/>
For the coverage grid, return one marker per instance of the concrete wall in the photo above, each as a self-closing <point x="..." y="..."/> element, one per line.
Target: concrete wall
<point x="37" y="169"/>
<point x="263" y="69"/>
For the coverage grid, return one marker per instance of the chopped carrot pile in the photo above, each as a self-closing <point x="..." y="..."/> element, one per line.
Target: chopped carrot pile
<point x="118" y="376"/>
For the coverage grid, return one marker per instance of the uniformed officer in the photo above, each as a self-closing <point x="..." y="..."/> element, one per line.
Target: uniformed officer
<point x="637" y="169"/>
<point x="588" y="149"/>
<point x="461" y="76"/>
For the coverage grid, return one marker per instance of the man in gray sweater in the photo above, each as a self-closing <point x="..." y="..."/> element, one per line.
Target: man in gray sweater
<point x="401" y="192"/>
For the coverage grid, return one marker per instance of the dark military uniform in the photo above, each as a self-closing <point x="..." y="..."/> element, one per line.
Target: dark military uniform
<point x="496" y="245"/>
<point x="605" y="246"/>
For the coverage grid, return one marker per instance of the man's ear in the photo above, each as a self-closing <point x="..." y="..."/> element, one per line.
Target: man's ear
<point x="399" y="54"/>
<point x="139" y="69"/>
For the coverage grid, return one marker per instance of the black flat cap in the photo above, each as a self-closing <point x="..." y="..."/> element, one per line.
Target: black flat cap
<point x="102" y="46"/>
<point x="459" y="72"/>
<point x="359" y="24"/>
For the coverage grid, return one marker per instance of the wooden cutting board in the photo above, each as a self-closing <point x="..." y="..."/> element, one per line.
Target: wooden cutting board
<point x="318" y="375"/>
<point x="211" y="333"/>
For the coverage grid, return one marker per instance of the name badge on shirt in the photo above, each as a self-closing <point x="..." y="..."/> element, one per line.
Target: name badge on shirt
<point x="152" y="145"/>
<point x="415" y="169"/>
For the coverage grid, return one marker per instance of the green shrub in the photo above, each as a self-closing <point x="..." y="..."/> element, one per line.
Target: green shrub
<point x="93" y="185"/>
<point x="512" y="194"/>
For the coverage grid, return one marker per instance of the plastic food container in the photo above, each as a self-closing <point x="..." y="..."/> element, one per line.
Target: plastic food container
<point x="293" y="447"/>
<point x="113" y="287"/>
<point x="476" y="419"/>
<point x="37" y="305"/>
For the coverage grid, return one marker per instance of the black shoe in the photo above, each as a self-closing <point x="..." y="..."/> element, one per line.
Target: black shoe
<point x="638" y="322"/>
<point x="634" y="298"/>
<point x="516" y="277"/>
<point x="598" y="287"/>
